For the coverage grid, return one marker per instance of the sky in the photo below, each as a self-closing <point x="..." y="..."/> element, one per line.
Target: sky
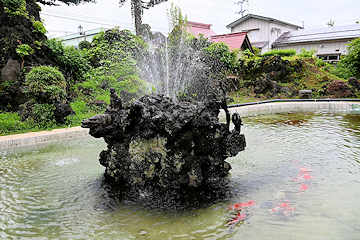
<point x="64" y="20"/>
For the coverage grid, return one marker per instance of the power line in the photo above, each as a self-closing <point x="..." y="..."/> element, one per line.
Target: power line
<point x="99" y="23"/>
<point x="241" y="6"/>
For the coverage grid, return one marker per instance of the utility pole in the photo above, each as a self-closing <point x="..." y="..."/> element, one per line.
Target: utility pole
<point x="241" y="5"/>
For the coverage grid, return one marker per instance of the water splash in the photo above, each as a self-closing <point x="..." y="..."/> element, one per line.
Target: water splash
<point x="176" y="70"/>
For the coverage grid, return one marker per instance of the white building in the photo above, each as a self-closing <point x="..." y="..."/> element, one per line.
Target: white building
<point x="76" y="38"/>
<point x="329" y="42"/>
<point x="262" y="31"/>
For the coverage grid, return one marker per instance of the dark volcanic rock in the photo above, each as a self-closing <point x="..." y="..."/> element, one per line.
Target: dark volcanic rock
<point x="156" y="142"/>
<point x="62" y="110"/>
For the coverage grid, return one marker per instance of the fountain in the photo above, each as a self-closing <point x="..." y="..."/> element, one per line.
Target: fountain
<point x="154" y="141"/>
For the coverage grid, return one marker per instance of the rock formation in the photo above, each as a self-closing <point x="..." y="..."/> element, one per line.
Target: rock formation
<point x="154" y="141"/>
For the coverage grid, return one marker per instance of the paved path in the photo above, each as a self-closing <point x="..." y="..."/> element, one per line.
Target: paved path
<point x="244" y="111"/>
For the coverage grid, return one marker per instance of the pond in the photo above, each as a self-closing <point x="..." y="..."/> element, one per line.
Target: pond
<point x="298" y="177"/>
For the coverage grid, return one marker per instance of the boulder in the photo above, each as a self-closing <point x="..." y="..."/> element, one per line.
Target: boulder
<point x="156" y="142"/>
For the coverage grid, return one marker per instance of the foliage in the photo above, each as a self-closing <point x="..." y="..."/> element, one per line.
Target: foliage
<point x="145" y="32"/>
<point x="74" y="62"/>
<point x="15" y="8"/>
<point x="68" y="2"/>
<point x="43" y="115"/>
<point x="10" y="123"/>
<point x="116" y="52"/>
<point x="38" y="26"/>
<point x="305" y="53"/>
<point x="281" y="53"/>
<point x="220" y="57"/>
<point x="84" y="44"/>
<point x="349" y="65"/>
<point x="137" y="10"/>
<point x="200" y="42"/>
<point x="248" y="54"/>
<point x="24" y="50"/>
<point x="257" y="51"/>
<point x="45" y="82"/>
<point x="177" y="25"/>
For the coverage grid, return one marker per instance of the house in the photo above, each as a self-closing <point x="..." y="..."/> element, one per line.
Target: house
<point x="262" y="31"/>
<point x="238" y="40"/>
<point x="200" y="28"/>
<point x="233" y="40"/>
<point x="76" y="38"/>
<point x="330" y="42"/>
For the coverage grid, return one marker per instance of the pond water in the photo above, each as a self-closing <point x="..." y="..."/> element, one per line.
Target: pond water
<point x="298" y="177"/>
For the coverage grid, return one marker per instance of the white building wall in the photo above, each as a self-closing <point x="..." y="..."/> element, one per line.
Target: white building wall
<point x="322" y="48"/>
<point x="260" y="31"/>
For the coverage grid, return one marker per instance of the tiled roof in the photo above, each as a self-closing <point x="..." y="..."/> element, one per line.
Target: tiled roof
<point x="233" y="40"/>
<point x="200" y="28"/>
<point x="259" y="44"/>
<point x="320" y="34"/>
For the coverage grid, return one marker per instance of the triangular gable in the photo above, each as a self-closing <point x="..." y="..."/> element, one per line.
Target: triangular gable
<point x="248" y="16"/>
<point x="234" y="40"/>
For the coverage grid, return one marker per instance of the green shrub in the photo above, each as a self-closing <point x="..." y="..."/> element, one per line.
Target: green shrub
<point x="45" y="83"/>
<point x="84" y="44"/>
<point x="75" y="62"/>
<point x="132" y="84"/>
<point x="281" y="53"/>
<point x="43" y="115"/>
<point x="305" y="53"/>
<point x="257" y="51"/>
<point x="349" y="65"/>
<point x="220" y="57"/>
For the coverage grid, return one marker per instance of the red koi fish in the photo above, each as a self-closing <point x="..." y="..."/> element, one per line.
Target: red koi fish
<point x="239" y="217"/>
<point x="241" y="206"/>
<point x="303" y="174"/>
<point x="303" y="187"/>
<point x="284" y="208"/>
<point x="305" y="170"/>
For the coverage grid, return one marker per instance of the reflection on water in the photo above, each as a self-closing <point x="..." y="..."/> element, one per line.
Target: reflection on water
<point x="298" y="177"/>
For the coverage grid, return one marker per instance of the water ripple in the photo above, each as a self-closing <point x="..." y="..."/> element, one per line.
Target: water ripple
<point x="301" y="171"/>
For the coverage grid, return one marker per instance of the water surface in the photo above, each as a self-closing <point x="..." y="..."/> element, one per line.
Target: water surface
<point x="298" y="177"/>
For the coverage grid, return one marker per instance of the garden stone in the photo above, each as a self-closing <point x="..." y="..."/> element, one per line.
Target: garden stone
<point x="11" y="71"/>
<point x="354" y="82"/>
<point x="305" y="94"/>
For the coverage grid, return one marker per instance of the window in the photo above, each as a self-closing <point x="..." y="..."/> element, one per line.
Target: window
<point x="275" y="32"/>
<point x="329" y="58"/>
<point x="254" y="35"/>
<point x="332" y="58"/>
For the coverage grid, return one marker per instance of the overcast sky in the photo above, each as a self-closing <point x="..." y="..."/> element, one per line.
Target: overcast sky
<point x="64" y="20"/>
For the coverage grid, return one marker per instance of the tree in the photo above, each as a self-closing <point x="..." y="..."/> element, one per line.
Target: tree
<point x="349" y="65"/>
<point x="22" y="46"/>
<point x="137" y="10"/>
<point x="68" y="2"/>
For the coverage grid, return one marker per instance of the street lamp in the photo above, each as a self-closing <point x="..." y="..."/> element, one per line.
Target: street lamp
<point x="81" y="31"/>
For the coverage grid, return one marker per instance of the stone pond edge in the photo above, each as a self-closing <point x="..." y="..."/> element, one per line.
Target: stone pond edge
<point x="17" y="140"/>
